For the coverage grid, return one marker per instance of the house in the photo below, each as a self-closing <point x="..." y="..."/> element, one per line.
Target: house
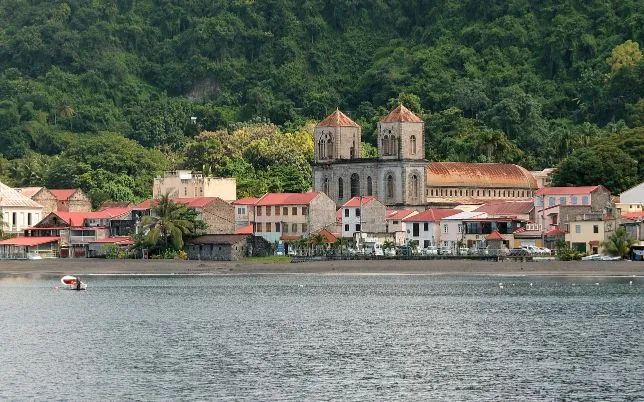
<point x="543" y="177"/>
<point x="394" y="220"/>
<point x="101" y="247"/>
<point x="531" y="234"/>
<point x="549" y="203"/>
<point x="289" y="216"/>
<point x="424" y="227"/>
<point x="522" y="210"/>
<point x="586" y="232"/>
<point x="22" y="247"/>
<point x="634" y="225"/>
<point x="452" y="229"/>
<point x="363" y="214"/>
<point x="188" y="184"/>
<point x="66" y="200"/>
<point x="244" y="211"/>
<point x="17" y="211"/>
<point x="218" y="214"/>
<point x="476" y="229"/>
<point x="631" y="200"/>
<point x="226" y="247"/>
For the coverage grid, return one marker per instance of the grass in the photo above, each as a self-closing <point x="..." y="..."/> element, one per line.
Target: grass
<point x="271" y="259"/>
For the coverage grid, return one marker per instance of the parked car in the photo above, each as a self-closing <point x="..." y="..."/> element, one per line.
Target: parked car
<point x="446" y="251"/>
<point x="544" y="250"/>
<point x="390" y="252"/>
<point x="431" y="250"/>
<point x="463" y="251"/>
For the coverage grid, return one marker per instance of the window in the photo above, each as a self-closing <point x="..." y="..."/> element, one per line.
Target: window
<point x="445" y="228"/>
<point x="268" y="226"/>
<point x="357" y="227"/>
<point x="369" y="186"/>
<point x="460" y="228"/>
<point x="539" y="201"/>
<point x="551" y="201"/>
<point x="395" y="222"/>
<point x="346" y="228"/>
<point x="14" y="218"/>
<point x="29" y="219"/>
<point x="340" y="188"/>
<point x="414" y="186"/>
<point x="259" y="227"/>
<point x="294" y="211"/>
<point x="277" y="227"/>
<point x="584" y="200"/>
<point x="285" y="227"/>
<point x="412" y="141"/>
<point x="285" y="211"/>
<point x="329" y="148"/>
<point x="577" y="228"/>
<point x="385" y="145"/>
<point x="595" y="228"/>
<point x="305" y="210"/>
<point x="259" y="211"/>
<point x="390" y="186"/>
<point x="426" y="226"/>
<point x="304" y="227"/>
<point x="357" y="211"/>
<point x="346" y="212"/>
<point x="562" y="200"/>
<point x="268" y="211"/>
<point x="326" y="186"/>
<point x="294" y="228"/>
<point x="355" y="185"/>
<point x="416" y="229"/>
<point x="426" y="244"/>
<point x="185" y="191"/>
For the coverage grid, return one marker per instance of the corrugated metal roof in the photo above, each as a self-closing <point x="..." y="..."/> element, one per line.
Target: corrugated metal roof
<point x="246" y="201"/>
<point x="247" y="230"/>
<point x="11" y="198"/>
<point x="521" y="207"/>
<point x="358" y="201"/>
<point x="479" y="175"/>
<point x="29" y="241"/>
<point x="401" y="214"/>
<point x="337" y="119"/>
<point x="567" y="190"/>
<point x="466" y="215"/>
<point x="434" y="214"/>
<point x="401" y="115"/>
<point x="63" y="194"/>
<point x="287" y="198"/>
<point x="28" y="191"/>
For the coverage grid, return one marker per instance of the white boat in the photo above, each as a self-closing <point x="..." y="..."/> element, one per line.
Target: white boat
<point x="70" y="282"/>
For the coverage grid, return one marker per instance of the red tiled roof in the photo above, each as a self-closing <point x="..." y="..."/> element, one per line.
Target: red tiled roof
<point x="434" y="214"/>
<point x="555" y="232"/>
<point x="357" y="201"/>
<point x="521" y="207"/>
<point x="567" y="190"/>
<point x="246" y="201"/>
<point x="78" y="218"/>
<point x="328" y="236"/>
<point x="494" y="236"/>
<point x="479" y="175"/>
<point x="194" y="202"/>
<point x="63" y="194"/>
<point x="338" y="215"/>
<point x="401" y="115"/>
<point x="248" y="229"/>
<point x="289" y="237"/>
<point x="29" y="241"/>
<point x="634" y="215"/>
<point x="337" y="119"/>
<point x="401" y="214"/>
<point x="115" y="240"/>
<point x="287" y="198"/>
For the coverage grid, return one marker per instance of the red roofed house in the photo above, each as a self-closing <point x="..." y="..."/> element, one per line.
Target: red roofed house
<point x="425" y="227"/>
<point x="523" y="210"/>
<point x="244" y="211"/>
<point x="394" y="220"/>
<point x="66" y="200"/>
<point x="557" y="205"/>
<point x="363" y="214"/>
<point x="289" y="216"/>
<point x="25" y="247"/>
<point x="218" y="215"/>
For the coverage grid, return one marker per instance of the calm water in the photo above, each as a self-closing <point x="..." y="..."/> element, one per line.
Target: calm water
<point x="300" y="337"/>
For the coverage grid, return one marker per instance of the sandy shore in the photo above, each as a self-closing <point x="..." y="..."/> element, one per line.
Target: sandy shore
<point x="433" y="267"/>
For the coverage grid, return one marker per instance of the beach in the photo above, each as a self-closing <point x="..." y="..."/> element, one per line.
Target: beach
<point x="421" y="267"/>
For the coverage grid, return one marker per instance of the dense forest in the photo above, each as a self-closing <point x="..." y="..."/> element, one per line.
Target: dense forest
<point x="101" y="95"/>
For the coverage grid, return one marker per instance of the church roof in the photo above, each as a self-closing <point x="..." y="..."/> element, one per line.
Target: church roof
<point x="11" y="198"/>
<point x="401" y="115"/>
<point x="337" y="119"/>
<point x="490" y="175"/>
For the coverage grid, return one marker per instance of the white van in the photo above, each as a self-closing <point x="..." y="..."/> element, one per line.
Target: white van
<point x="373" y="248"/>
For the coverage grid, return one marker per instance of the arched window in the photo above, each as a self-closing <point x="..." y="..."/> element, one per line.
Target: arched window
<point x="385" y="145"/>
<point x="369" y="186"/>
<point x="326" y="185"/>
<point x="414" y="186"/>
<point x="355" y="185"/>
<point x="390" y="186"/>
<point x="340" y="188"/>
<point x="329" y="148"/>
<point x="392" y="145"/>
<point x="412" y="141"/>
<point x="321" y="149"/>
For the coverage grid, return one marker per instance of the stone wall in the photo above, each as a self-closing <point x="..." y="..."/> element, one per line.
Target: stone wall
<point x="321" y="213"/>
<point x="373" y="217"/>
<point x="219" y="216"/>
<point x="47" y="200"/>
<point x="77" y="202"/>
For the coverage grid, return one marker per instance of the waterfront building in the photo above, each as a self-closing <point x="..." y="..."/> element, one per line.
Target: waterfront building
<point x="363" y="214"/>
<point x="188" y="184"/>
<point x="244" y="211"/>
<point x="555" y="206"/>
<point x="66" y="200"/>
<point x="17" y="211"/>
<point x="217" y="214"/>
<point x="424" y="227"/>
<point x="586" y="232"/>
<point x="631" y="200"/>
<point x="452" y="229"/>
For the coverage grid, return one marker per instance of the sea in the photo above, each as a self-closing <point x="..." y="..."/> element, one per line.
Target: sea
<point x="323" y="337"/>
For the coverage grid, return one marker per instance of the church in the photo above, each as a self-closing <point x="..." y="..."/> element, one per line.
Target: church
<point x="401" y="176"/>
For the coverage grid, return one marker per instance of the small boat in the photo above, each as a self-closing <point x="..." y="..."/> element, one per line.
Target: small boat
<point x="71" y="282"/>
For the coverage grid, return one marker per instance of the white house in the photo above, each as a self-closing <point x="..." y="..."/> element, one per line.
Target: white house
<point x="18" y="212"/>
<point x="451" y="228"/>
<point x="425" y="226"/>
<point x="363" y="214"/>
<point x="395" y="217"/>
<point x="631" y="200"/>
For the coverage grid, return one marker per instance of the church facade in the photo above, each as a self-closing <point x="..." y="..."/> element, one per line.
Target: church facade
<point x="401" y="176"/>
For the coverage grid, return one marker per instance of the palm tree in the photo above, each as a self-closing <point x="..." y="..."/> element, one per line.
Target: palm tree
<point x="170" y="222"/>
<point x="619" y="243"/>
<point x="388" y="245"/>
<point x="342" y="243"/>
<point x="318" y="241"/>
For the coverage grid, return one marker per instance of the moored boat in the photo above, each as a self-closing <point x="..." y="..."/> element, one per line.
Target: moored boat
<point x="71" y="282"/>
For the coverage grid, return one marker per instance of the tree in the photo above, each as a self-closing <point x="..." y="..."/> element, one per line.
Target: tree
<point x="342" y="243"/>
<point x="628" y="54"/>
<point x="169" y="223"/>
<point x="388" y="245"/>
<point x="318" y="241"/>
<point x="619" y="243"/>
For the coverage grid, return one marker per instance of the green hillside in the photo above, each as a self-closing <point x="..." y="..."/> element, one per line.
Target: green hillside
<point x="100" y="95"/>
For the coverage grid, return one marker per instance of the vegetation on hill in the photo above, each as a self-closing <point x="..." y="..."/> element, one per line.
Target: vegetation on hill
<point x="100" y="95"/>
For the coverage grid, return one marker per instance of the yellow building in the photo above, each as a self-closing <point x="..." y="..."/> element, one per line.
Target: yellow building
<point x="186" y="184"/>
<point x="586" y="232"/>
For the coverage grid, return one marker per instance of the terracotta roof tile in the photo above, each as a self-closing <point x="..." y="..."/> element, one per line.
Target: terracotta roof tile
<point x="567" y="190"/>
<point x="521" y="207"/>
<point x="634" y="215"/>
<point x="247" y="230"/>
<point x="478" y="175"/>
<point x="434" y="214"/>
<point x="494" y="236"/>
<point x="29" y="241"/>
<point x="337" y="119"/>
<point x="357" y="201"/>
<point x="288" y="198"/>
<point x="401" y="115"/>
<point x="401" y="214"/>
<point x="63" y="194"/>
<point x="246" y="201"/>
